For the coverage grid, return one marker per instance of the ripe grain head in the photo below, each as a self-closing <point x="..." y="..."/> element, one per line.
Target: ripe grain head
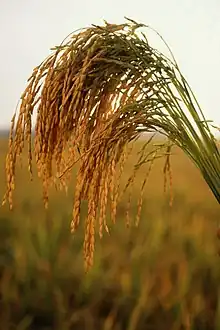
<point x="93" y="96"/>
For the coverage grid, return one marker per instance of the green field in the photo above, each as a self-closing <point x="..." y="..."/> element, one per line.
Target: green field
<point x="162" y="275"/>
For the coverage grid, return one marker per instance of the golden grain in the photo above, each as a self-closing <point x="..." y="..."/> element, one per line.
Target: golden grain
<point x="94" y="96"/>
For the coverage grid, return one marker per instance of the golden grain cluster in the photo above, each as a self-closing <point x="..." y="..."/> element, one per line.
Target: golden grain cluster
<point x="93" y="95"/>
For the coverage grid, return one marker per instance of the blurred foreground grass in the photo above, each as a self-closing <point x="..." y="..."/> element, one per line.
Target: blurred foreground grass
<point x="162" y="275"/>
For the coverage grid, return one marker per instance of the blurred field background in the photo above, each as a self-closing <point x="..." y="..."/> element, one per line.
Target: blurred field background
<point x="162" y="275"/>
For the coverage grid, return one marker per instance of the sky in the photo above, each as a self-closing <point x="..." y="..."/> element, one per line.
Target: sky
<point x="28" y="29"/>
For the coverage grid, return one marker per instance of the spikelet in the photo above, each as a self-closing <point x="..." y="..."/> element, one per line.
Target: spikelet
<point x="86" y="95"/>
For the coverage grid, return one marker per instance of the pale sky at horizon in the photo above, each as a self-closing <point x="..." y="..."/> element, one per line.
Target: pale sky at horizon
<point x="28" y="29"/>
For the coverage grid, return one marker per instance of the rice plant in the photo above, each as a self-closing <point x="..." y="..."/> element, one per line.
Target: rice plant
<point x="94" y="95"/>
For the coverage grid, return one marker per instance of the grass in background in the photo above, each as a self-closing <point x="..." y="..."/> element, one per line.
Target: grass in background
<point x="163" y="274"/>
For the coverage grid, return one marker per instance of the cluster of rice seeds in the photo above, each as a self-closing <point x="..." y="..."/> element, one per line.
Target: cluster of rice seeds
<point x="18" y="134"/>
<point x="57" y="125"/>
<point x="112" y="175"/>
<point x="63" y="176"/>
<point x="89" y="240"/>
<point x="118" y="158"/>
<point x="62" y="97"/>
<point x="77" y="202"/>
<point x="88" y="163"/>
<point x="10" y="169"/>
<point x="92" y="96"/>
<point x="96" y="190"/>
<point x="95" y="181"/>
<point x="103" y="200"/>
<point x="84" y="176"/>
